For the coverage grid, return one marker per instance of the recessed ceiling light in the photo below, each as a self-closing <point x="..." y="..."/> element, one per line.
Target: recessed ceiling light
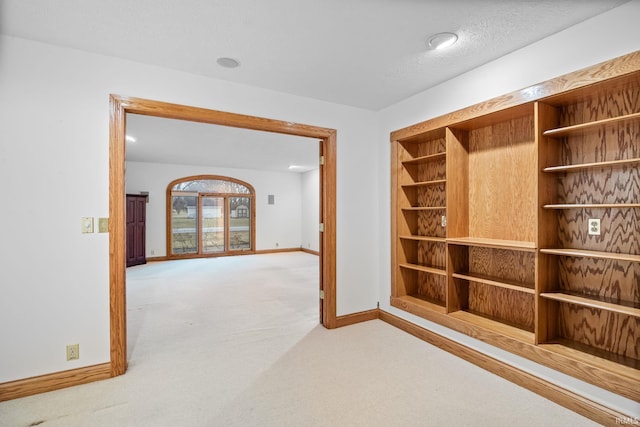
<point x="228" y="62"/>
<point x="441" y="40"/>
<point x="130" y="139"/>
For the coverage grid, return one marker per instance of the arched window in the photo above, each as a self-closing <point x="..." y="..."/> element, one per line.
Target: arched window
<point x="209" y="215"/>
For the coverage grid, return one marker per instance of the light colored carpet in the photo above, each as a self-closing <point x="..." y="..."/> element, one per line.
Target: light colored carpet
<point x="235" y="342"/>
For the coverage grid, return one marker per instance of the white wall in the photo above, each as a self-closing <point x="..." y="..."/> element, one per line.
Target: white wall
<point x="311" y="209"/>
<point x="280" y="223"/>
<point x="604" y="37"/>
<point x="54" y="128"/>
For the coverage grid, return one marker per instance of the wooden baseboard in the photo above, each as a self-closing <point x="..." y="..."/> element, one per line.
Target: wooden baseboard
<point x="275" y="251"/>
<point x="309" y="251"/>
<point x="256" y="252"/>
<point x="55" y="381"/>
<point x="362" y="316"/>
<point x="157" y="258"/>
<point x="563" y="397"/>
<point x="261" y="251"/>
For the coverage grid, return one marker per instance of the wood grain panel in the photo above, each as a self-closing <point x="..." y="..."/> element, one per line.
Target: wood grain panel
<point x="600" y="329"/>
<point x="620" y="230"/>
<point x="609" y="142"/>
<point x="546" y="117"/>
<point x="407" y="224"/>
<point x="432" y="287"/>
<point x="510" y="265"/>
<point x="603" y="186"/>
<point x="606" y="143"/>
<point x="431" y="171"/>
<point x="430" y="223"/>
<point x="432" y="195"/>
<point x="602" y="279"/>
<point x="507" y="306"/>
<point x="408" y="252"/>
<point x="602" y="102"/>
<point x="425" y="146"/>
<point x="457" y="183"/>
<point x="432" y="254"/>
<point x="503" y="181"/>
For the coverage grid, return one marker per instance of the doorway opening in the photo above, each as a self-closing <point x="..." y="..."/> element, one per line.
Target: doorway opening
<point x="119" y="107"/>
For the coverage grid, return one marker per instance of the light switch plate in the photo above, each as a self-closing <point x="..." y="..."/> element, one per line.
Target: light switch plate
<point x="86" y="224"/>
<point x="103" y="225"/>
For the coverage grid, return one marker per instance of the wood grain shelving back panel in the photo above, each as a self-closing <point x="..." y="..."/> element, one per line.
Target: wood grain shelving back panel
<point x="431" y="254"/>
<point x="429" y="171"/>
<point x="430" y="223"/>
<point x="604" y="186"/>
<point x="620" y="230"/>
<point x="503" y="181"/>
<point x="505" y="305"/>
<point x="432" y="287"/>
<point x="426" y="146"/>
<point x="605" y="143"/>
<point x="600" y="278"/>
<point x="601" y="329"/>
<point x="433" y="195"/>
<point x="511" y="265"/>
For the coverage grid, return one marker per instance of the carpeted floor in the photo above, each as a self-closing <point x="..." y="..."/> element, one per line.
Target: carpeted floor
<point x="235" y="341"/>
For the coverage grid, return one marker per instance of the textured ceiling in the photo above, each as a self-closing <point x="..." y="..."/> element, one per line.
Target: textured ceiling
<point x="364" y="53"/>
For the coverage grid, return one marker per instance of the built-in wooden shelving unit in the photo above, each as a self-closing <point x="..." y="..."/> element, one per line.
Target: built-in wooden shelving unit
<point x="492" y="208"/>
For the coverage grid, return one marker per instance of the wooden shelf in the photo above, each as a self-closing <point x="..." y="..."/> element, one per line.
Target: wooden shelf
<point x="424" y="159"/>
<point x="584" y="127"/>
<point x="425" y="238"/>
<point x="424" y="183"/>
<point x="624" y="366"/>
<point x="424" y="269"/>
<point x="497" y="281"/>
<point x="593" y="205"/>
<point x="495" y="326"/>
<point x="423" y="303"/>
<point x="591" y="254"/>
<point x="424" y="208"/>
<point x="513" y="245"/>
<point x="592" y="303"/>
<point x="611" y="163"/>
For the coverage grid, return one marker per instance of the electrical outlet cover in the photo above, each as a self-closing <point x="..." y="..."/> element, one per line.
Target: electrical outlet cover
<point x="594" y="226"/>
<point x="73" y="352"/>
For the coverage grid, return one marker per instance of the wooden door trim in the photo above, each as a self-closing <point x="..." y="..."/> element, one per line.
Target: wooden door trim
<point x="119" y="107"/>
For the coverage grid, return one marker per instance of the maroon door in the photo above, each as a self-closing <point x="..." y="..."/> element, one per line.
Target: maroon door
<point x="136" y="216"/>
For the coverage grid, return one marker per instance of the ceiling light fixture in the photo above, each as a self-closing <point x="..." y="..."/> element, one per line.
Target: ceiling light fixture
<point x="441" y="41"/>
<point x="130" y="139"/>
<point x="228" y="62"/>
